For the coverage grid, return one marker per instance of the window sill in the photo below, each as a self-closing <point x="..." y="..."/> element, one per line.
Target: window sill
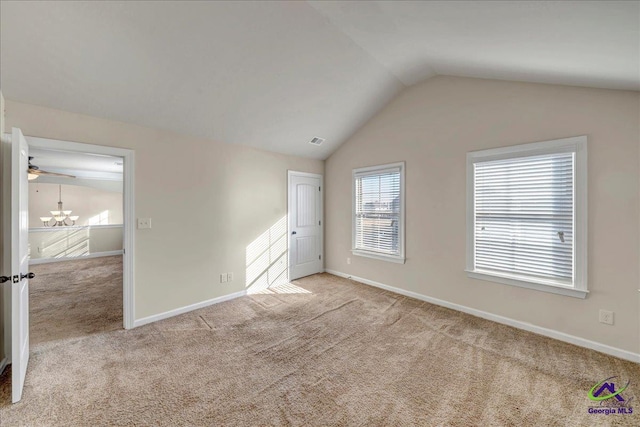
<point x="379" y="256"/>
<point x="544" y="286"/>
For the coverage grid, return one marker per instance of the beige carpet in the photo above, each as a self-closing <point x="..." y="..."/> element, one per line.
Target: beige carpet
<point x="336" y="353"/>
<point x="73" y="299"/>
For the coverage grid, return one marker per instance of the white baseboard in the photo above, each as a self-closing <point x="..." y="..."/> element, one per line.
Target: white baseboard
<point x="74" y="258"/>
<point x="186" y="309"/>
<point x="561" y="336"/>
<point x="3" y="364"/>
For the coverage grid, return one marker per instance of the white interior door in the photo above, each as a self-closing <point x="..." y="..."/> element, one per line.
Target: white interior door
<point x="19" y="262"/>
<point x="305" y="224"/>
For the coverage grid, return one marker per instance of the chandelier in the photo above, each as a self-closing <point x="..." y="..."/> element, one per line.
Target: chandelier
<point x="60" y="216"/>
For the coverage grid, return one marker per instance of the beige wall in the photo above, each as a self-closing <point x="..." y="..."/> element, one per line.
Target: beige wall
<point x="105" y="239"/>
<point x="89" y="203"/>
<point x="432" y="126"/>
<point x="207" y="200"/>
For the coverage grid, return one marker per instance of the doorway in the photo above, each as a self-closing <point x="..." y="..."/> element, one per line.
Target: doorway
<point x="15" y="213"/>
<point x="76" y="232"/>
<point x="305" y="194"/>
<point x="117" y="155"/>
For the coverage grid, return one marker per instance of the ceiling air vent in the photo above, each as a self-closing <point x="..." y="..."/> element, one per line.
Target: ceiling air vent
<point x="316" y="141"/>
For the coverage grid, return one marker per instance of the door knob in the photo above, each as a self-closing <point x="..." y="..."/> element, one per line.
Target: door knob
<point x="294" y="232"/>
<point x="4" y="279"/>
<point x="27" y="276"/>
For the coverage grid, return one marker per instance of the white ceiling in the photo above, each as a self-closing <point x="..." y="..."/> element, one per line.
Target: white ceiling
<point x="579" y="43"/>
<point x="276" y="74"/>
<point x="81" y="165"/>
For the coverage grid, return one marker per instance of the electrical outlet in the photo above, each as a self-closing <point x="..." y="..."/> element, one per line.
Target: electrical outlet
<point x="144" y="223"/>
<point x="229" y="277"/>
<point x="223" y="278"/>
<point x="606" y="317"/>
<point x="348" y="260"/>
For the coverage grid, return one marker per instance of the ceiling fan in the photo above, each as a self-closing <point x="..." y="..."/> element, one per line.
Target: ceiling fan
<point x="34" y="172"/>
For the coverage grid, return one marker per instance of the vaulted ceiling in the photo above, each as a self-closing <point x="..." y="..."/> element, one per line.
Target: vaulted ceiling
<point x="275" y="74"/>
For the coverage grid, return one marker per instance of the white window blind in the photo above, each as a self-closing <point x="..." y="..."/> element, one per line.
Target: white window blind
<point x="524" y="216"/>
<point x="377" y="211"/>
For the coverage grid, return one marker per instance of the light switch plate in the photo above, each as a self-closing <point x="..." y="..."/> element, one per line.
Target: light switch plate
<point x="144" y="223"/>
<point x="606" y="317"/>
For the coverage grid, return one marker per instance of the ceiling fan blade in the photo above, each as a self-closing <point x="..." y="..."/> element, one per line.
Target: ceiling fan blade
<point x="41" y="172"/>
<point x="35" y="170"/>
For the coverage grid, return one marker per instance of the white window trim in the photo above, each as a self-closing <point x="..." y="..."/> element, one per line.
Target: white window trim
<point x="576" y="144"/>
<point x="400" y="258"/>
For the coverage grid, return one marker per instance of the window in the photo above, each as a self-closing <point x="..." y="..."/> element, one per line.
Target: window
<point x="378" y="212"/>
<point x="526" y="216"/>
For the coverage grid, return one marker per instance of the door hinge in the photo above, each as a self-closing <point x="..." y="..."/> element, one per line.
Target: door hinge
<point x="319" y="222"/>
<point x="319" y="188"/>
<point x="319" y="256"/>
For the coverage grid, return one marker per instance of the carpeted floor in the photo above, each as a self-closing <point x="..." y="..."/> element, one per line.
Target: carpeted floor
<point x="322" y="351"/>
<point x="73" y="299"/>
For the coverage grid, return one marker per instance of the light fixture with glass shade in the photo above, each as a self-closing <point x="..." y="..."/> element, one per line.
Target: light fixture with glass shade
<point x="59" y="216"/>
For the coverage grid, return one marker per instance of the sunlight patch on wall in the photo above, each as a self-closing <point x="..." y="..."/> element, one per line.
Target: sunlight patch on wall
<point x="268" y="261"/>
<point x="267" y="258"/>
<point x="66" y="242"/>
<point x="101" y="219"/>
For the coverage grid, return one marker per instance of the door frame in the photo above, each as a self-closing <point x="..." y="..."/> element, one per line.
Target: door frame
<point x="128" y="187"/>
<point x="290" y="175"/>
<point x="5" y="233"/>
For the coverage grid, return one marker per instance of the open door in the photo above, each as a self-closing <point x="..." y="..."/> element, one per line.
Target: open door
<point x="305" y="224"/>
<point x="19" y="262"/>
